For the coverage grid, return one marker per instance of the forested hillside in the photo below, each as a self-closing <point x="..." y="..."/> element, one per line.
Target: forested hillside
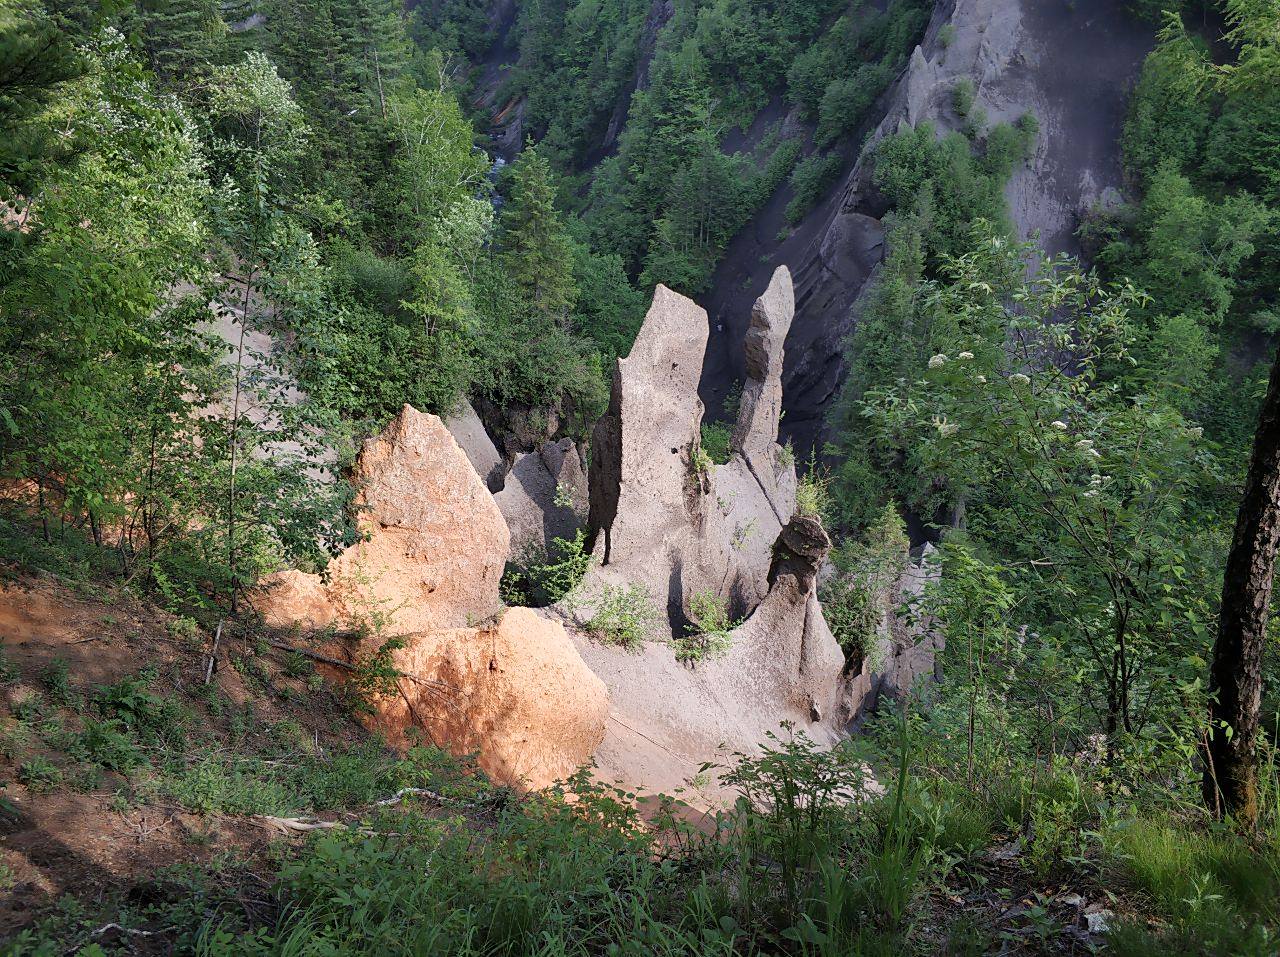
<point x="383" y="517"/>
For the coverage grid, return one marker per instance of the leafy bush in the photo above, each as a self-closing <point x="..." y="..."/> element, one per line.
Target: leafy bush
<point x="623" y="616"/>
<point x="707" y="634"/>
<point x="541" y="578"/>
<point x="39" y="774"/>
<point x="813" y="493"/>
<point x="867" y="569"/>
<point x="809" y="180"/>
<point x="715" y="441"/>
<point x="962" y="95"/>
<point x="109" y="744"/>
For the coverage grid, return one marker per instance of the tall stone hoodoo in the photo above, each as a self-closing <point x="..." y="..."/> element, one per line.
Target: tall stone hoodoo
<point x="666" y="519"/>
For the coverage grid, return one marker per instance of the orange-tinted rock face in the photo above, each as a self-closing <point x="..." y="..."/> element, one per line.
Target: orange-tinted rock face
<point x="435" y="549"/>
<point x="516" y="691"/>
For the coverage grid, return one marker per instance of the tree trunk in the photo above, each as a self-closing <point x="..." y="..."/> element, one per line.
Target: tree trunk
<point x="1235" y="677"/>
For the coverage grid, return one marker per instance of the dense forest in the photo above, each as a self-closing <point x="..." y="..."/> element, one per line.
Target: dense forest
<point x="238" y="237"/>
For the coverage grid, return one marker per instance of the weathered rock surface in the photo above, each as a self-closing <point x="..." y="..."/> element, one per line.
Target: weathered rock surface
<point x="761" y="407"/>
<point x="643" y="494"/>
<point x="470" y="434"/>
<point x="675" y="528"/>
<point x="516" y="693"/>
<point x="785" y="648"/>
<point x="515" y="690"/>
<point x="545" y="496"/>
<point x="660" y="516"/>
<point x="435" y="541"/>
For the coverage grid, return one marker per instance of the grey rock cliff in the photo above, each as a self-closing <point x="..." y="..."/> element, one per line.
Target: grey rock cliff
<point x="1069" y="62"/>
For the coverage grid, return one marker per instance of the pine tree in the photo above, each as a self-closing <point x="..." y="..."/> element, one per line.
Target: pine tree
<point x="179" y="37"/>
<point x="535" y="246"/>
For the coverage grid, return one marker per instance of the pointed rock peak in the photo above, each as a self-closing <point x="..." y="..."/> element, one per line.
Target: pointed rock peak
<point x="761" y="409"/>
<point x="642" y="446"/>
<point x="675" y="327"/>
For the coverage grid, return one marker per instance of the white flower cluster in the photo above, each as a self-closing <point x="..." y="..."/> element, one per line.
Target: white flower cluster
<point x="1019" y="379"/>
<point x="937" y="361"/>
<point x="1086" y="446"/>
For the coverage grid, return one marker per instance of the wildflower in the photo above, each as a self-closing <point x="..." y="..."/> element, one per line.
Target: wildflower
<point x="1059" y="425"/>
<point x="965" y="355"/>
<point x="1196" y="433"/>
<point x="1084" y="445"/>
<point x="982" y="379"/>
<point x="945" y="429"/>
<point x="1019" y="379"/>
<point x="937" y="361"/>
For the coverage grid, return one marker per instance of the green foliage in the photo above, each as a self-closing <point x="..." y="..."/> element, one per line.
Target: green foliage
<point x="813" y="492"/>
<point x="622" y="615"/>
<point x="544" y="578"/>
<point x="39" y="774"/>
<point x="1044" y="459"/>
<point x="715" y="441"/>
<point x="707" y="635"/>
<point x="809" y="180"/>
<point x="536" y="251"/>
<point x="854" y="601"/>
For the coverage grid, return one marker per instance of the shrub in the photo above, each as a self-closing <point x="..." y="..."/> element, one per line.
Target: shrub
<point x="707" y="634"/>
<point x="623" y="616"/>
<point x="715" y="441"/>
<point x="108" y="744"/>
<point x="39" y="774"/>
<point x="56" y="678"/>
<point x="810" y="180"/>
<point x="868" y="568"/>
<point x="813" y="493"/>
<point x="962" y="96"/>
<point x="543" y="577"/>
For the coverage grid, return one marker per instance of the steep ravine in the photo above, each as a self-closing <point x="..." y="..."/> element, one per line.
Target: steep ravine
<point x="1070" y="62"/>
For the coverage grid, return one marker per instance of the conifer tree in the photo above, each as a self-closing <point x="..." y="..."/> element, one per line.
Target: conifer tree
<point x="536" y="249"/>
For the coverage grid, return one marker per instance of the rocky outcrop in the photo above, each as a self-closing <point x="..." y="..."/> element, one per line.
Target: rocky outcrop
<point x="545" y="496"/>
<point x="761" y="405"/>
<point x="643" y="487"/>
<point x="434" y="549"/>
<point x="470" y="434"/>
<point x="516" y="693"/>
<point x="1068" y="62"/>
<point x="785" y="647"/>
<point x="514" y="690"/>
<point x="664" y="517"/>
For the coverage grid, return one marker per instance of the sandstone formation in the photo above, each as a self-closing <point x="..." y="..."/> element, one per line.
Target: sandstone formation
<point x="785" y="648"/>
<point x="663" y="517"/>
<point x="434" y="549"/>
<point x="761" y="407"/>
<point x="665" y="520"/>
<point x="516" y="693"/>
<point x="545" y="496"/>
<point x="643" y="486"/>
<point x="470" y="434"/>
